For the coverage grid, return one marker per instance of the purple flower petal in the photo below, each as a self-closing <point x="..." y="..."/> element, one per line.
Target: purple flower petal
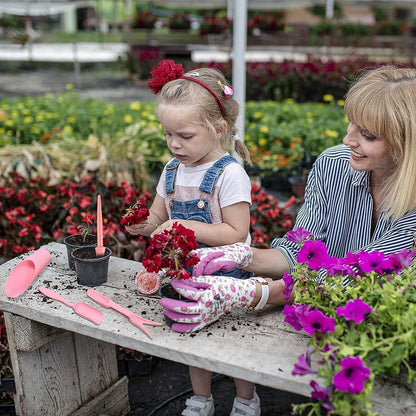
<point x="354" y="310"/>
<point x="316" y="321"/>
<point x="352" y="376"/>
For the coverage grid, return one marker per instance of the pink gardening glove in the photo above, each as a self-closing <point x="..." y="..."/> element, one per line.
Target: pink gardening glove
<point x="223" y="258"/>
<point x="212" y="297"/>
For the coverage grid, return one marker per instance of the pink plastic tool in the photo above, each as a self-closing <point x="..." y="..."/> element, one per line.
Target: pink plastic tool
<point x="82" y="309"/>
<point x="134" y="319"/>
<point x="100" y="249"/>
<point x="24" y="274"/>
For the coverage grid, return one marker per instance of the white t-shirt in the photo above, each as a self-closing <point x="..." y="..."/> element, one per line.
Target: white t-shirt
<point x="232" y="186"/>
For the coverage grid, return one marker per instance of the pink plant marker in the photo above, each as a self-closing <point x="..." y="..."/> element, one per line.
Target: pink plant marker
<point x="80" y="308"/>
<point x="100" y="249"/>
<point x="24" y="274"/>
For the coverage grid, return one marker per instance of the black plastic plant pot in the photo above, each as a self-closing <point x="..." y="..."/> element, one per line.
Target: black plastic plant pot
<point x="92" y="270"/>
<point x="74" y="241"/>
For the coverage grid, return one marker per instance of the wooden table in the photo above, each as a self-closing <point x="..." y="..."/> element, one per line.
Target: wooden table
<point x="64" y="364"/>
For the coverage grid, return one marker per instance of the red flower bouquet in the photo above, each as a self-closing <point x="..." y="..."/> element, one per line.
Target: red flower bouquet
<point x="135" y="214"/>
<point x="172" y="251"/>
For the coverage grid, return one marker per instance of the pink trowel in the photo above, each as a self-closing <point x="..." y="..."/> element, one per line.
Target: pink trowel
<point x="25" y="273"/>
<point x="80" y="308"/>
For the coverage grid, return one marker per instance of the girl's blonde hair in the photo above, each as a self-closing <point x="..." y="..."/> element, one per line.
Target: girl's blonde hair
<point x="203" y="102"/>
<point x="383" y="102"/>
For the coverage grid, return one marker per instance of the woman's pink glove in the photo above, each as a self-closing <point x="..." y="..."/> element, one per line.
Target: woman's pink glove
<point x="211" y="296"/>
<point x="223" y="258"/>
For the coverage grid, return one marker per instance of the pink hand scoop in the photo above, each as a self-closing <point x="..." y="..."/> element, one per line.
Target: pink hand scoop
<point x="80" y="308"/>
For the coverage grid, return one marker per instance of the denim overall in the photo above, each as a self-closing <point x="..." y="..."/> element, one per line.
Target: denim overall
<point x="198" y="209"/>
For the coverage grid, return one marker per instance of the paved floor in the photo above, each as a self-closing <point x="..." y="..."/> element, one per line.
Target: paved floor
<point x="164" y="391"/>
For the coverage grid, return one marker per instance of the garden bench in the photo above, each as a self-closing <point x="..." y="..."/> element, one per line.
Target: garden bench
<point x="64" y="364"/>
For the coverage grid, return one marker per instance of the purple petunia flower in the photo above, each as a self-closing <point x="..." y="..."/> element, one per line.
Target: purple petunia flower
<point x="289" y="284"/>
<point x="402" y="259"/>
<point x="352" y="376"/>
<point x="316" y="321"/>
<point x="339" y="268"/>
<point x="322" y="394"/>
<point x="299" y="235"/>
<point x="314" y="253"/>
<point x="375" y="260"/>
<point x="354" y="310"/>
<point x="293" y="313"/>
<point x="303" y="366"/>
<point x="351" y="259"/>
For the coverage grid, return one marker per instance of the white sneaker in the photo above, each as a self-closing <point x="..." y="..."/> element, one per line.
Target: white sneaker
<point x="199" y="406"/>
<point x="244" y="407"/>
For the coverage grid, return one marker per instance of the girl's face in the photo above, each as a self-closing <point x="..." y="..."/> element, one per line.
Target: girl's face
<point x="186" y="137"/>
<point x="368" y="152"/>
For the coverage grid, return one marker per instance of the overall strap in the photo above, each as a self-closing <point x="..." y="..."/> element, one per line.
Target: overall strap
<point x="212" y="174"/>
<point x="170" y="177"/>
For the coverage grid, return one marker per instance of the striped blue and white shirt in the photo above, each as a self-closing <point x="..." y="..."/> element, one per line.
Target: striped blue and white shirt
<point x="338" y="211"/>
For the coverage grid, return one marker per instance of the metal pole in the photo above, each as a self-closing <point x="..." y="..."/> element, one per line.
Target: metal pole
<point x="329" y="12"/>
<point x="239" y="62"/>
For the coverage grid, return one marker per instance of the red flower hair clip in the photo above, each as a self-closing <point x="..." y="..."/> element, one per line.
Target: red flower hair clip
<point x="164" y="72"/>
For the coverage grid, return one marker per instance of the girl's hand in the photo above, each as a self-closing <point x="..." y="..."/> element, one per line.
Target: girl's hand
<point x="135" y="229"/>
<point x="167" y="225"/>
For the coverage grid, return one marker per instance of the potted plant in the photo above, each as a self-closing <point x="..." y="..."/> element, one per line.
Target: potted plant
<point x="84" y="239"/>
<point x="91" y="263"/>
<point x="179" y="21"/>
<point x="144" y="20"/>
<point x="360" y="319"/>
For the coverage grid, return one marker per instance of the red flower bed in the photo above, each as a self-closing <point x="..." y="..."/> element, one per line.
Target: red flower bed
<point x="33" y="213"/>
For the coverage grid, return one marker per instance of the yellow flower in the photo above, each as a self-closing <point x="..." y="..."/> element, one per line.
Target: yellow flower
<point x="69" y="87"/>
<point x="72" y="119"/>
<point x="264" y="129"/>
<point x="68" y="129"/>
<point x="262" y="141"/>
<point x="135" y="105"/>
<point x="9" y="123"/>
<point x="128" y="118"/>
<point x="328" y="98"/>
<point x="3" y="115"/>
<point x="330" y="133"/>
<point x="257" y="114"/>
<point x="341" y="103"/>
<point x="27" y="119"/>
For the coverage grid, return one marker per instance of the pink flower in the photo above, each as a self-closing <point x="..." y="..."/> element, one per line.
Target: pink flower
<point x="352" y="376"/>
<point x="354" y="310"/>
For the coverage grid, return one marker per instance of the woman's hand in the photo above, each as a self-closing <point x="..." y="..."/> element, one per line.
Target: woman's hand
<point x="211" y="297"/>
<point x="223" y="258"/>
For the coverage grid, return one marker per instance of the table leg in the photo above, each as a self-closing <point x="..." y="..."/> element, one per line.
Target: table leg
<point x="61" y="372"/>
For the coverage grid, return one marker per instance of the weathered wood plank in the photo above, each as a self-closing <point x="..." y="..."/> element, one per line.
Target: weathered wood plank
<point x="113" y="402"/>
<point x="96" y="364"/>
<point x="30" y="335"/>
<point x="46" y="379"/>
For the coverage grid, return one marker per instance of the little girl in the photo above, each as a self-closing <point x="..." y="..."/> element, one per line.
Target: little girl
<point x="202" y="187"/>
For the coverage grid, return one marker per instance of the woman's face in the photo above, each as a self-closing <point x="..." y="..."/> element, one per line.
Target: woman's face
<point x="368" y="153"/>
<point x="188" y="140"/>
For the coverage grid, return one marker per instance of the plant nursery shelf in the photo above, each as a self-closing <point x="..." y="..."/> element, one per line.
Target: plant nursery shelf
<point x="64" y="364"/>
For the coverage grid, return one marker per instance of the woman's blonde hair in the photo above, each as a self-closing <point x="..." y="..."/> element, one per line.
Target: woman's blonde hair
<point x="203" y="102"/>
<point x="383" y="102"/>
